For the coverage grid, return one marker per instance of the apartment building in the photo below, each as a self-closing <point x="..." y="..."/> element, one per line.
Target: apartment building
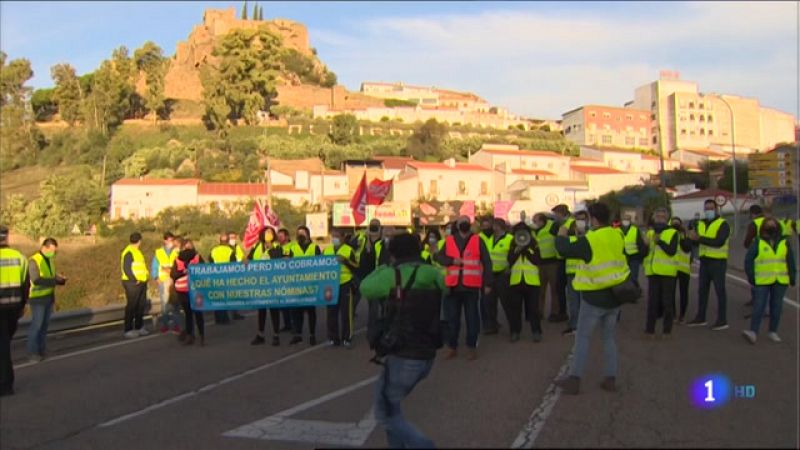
<point x="608" y="126"/>
<point x="306" y="180"/>
<point x="629" y="160"/>
<point x="448" y="180"/>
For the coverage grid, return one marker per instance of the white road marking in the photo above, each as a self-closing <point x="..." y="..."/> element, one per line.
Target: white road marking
<point x="279" y="427"/>
<point x="527" y="437"/>
<point x="212" y="386"/>
<point x="85" y="351"/>
<point x="785" y="299"/>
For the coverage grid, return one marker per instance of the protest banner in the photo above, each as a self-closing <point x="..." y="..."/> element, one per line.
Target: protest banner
<point x="275" y="283"/>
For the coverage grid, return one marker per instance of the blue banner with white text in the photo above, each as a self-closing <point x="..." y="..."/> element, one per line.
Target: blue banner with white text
<point x="275" y="283"/>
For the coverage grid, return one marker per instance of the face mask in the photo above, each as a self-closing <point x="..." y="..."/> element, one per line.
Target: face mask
<point x="659" y="227"/>
<point x="463" y="227"/>
<point x="580" y="225"/>
<point x="626" y="223"/>
<point x="676" y="225"/>
<point x="374" y="229"/>
<point x="447" y="231"/>
<point x="232" y="242"/>
<point x="537" y="226"/>
<point x="49" y="254"/>
<point x="487" y="231"/>
<point x="336" y="242"/>
<point x="710" y="214"/>
<point x="769" y="231"/>
<point x="302" y="238"/>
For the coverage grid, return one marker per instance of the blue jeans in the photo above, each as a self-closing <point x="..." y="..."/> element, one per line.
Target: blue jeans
<point x="574" y="299"/>
<point x="169" y="313"/>
<point x="634" y="264"/>
<point x="772" y="294"/>
<point x="453" y="303"/>
<point x="588" y="319"/>
<point x="400" y="376"/>
<point x="712" y="271"/>
<point x="37" y="332"/>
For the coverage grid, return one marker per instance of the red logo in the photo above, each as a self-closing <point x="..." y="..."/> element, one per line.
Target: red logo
<point x="328" y="295"/>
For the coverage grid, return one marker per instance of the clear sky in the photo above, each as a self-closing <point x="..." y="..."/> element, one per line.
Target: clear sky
<point x="539" y="59"/>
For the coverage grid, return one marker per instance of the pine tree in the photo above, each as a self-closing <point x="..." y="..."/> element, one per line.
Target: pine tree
<point x="260" y="12"/>
<point x="244" y="10"/>
<point x="255" y="12"/>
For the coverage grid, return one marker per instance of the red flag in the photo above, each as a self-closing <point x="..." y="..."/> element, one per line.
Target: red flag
<point x="272" y="219"/>
<point x="359" y="201"/>
<point x="254" y="226"/>
<point x="378" y="191"/>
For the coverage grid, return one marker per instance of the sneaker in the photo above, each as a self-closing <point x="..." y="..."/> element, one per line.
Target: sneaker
<point x="681" y="321"/>
<point x="569" y="385"/>
<point x="347" y="344"/>
<point x="697" y="323"/>
<point x="720" y="326"/>
<point x="33" y="359"/>
<point x="312" y="340"/>
<point x="451" y="353"/>
<point x="296" y="340"/>
<point x="609" y="384"/>
<point x="537" y="337"/>
<point x="334" y="343"/>
<point x="774" y="337"/>
<point x="472" y="354"/>
<point x="143" y="331"/>
<point x="131" y="334"/>
<point x="276" y="341"/>
<point x="164" y="329"/>
<point x="568" y="332"/>
<point x="258" y="340"/>
<point x="749" y="336"/>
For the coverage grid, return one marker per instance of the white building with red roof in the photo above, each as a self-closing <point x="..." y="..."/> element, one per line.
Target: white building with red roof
<point x="448" y="180"/>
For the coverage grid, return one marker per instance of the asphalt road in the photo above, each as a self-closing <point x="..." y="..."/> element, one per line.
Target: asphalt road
<point x="98" y="391"/>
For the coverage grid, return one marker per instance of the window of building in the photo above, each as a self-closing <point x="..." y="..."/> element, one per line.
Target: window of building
<point x="683" y="130"/>
<point x="336" y="185"/>
<point x="652" y="117"/>
<point x="643" y="141"/>
<point x="710" y="118"/>
<point x="462" y="187"/>
<point x="630" y="140"/>
<point x="420" y="189"/>
<point x="567" y="130"/>
<point x="523" y="163"/>
<point x="592" y="114"/>
<point x="628" y="116"/>
<point x="619" y="118"/>
<point x="691" y="104"/>
<point x="700" y="106"/>
<point x="702" y="131"/>
<point x="691" y="116"/>
<point x="589" y="139"/>
<point x="606" y="115"/>
<point x="691" y="132"/>
<point x="550" y="165"/>
<point x="606" y="127"/>
<point x="702" y="118"/>
<point x="653" y="103"/>
<point x="655" y="139"/>
<point x="606" y="140"/>
<point x="642" y="117"/>
<point x="484" y="188"/>
<point x="534" y="164"/>
<point x="710" y="132"/>
<point x="433" y="189"/>
<point x="683" y="118"/>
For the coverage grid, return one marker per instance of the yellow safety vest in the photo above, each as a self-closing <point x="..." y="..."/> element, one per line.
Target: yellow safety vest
<point x="138" y="267"/>
<point x="608" y="266"/>
<point x="757" y="222"/>
<point x="426" y="252"/>
<point x="571" y="264"/>
<point x="239" y="253"/>
<point x="221" y="254"/>
<point x="297" y="251"/>
<point x="165" y="262"/>
<point x="261" y="252"/>
<point x="631" y="237"/>
<point x="345" y="275"/>
<point x="546" y="241"/>
<point x="567" y="224"/>
<point x="13" y="269"/>
<point x="499" y="252"/>
<point x="657" y="262"/>
<point x="710" y="232"/>
<point x="524" y="270"/>
<point x="770" y="264"/>
<point x="786" y="226"/>
<point x="683" y="258"/>
<point x="487" y="241"/>
<point x="45" y="271"/>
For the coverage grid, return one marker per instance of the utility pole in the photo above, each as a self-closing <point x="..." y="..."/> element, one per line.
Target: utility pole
<point x="733" y="157"/>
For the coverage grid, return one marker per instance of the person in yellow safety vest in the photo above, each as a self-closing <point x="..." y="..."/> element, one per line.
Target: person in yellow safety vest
<point x="499" y="245"/>
<point x="524" y="283"/>
<point x="563" y="218"/>
<point x="770" y="267"/>
<point x="341" y="315"/>
<point x="373" y="253"/>
<point x="486" y="233"/>
<point x="233" y="241"/>
<point x="684" y="258"/>
<point x="303" y="247"/>
<point x="285" y="241"/>
<point x="160" y="268"/>
<point x="712" y="236"/>
<point x="661" y="269"/>
<point x="635" y="247"/>
<point x="222" y="253"/>
<point x="44" y="279"/>
<point x="14" y="291"/>
<point x="603" y="266"/>
<point x="433" y="244"/>
<point x="267" y="247"/>
<point x="578" y="228"/>
<point x="134" y="281"/>
<point x="545" y="231"/>
<point x="787" y="227"/>
<point x="753" y="230"/>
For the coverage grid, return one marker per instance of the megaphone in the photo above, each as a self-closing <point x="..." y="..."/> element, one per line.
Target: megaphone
<point x="522" y="237"/>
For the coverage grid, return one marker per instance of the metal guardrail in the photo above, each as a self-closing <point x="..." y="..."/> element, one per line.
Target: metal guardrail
<point x="85" y="317"/>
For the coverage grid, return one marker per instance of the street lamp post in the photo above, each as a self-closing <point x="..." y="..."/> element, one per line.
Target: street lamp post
<point x="733" y="157"/>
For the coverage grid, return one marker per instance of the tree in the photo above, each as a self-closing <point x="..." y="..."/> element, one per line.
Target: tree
<point x="20" y="139"/>
<point x="243" y="81"/>
<point x="127" y="76"/>
<point x="68" y="94"/>
<point x="345" y="129"/>
<point x="329" y="80"/>
<point x="104" y="108"/>
<point x="150" y="60"/>
<point x="244" y="10"/>
<point x="427" y="140"/>
<point x="43" y="104"/>
<point x="742" y="182"/>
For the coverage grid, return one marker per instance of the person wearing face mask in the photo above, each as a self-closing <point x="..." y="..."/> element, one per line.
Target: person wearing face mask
<point x="267" y="248"/>
<point x="433" y="244"/>
<point x="683" y="258"/>
<point x="233" y="241"/>
<point x="302" y="248"/>
<point x="180" y="274"/>
<point x="499" y="245"/>
<point x="340" y="315"/>
<point x="469" y="272"/>
<point x="160" y="268"/>
<point x="712" y="237"/>
<point x="579" y="228"/>
<point x="753" y="230"/>
<point x="524" y="284"/>
<point x="770" y="267"/>
<point x="44" y="279"/>
<point x="373" y="254"/>
<point x="222" y="253"/>
<point x="564" y="219"/>
<point x="545" y="231"/>
<point x="661" y="269"/>
<point x="285" y="241"/>
<point x="603" y="266"/>
<point x="635" y="247"/>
